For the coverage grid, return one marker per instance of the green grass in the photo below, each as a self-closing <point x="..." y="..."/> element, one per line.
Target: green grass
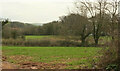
<point x="51" y="37"/>
<point x="102" y="38"/>
<point x="38" y="37"/>
<point x="72" y="56"/>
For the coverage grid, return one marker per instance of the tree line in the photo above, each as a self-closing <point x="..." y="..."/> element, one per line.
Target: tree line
<point x="95" y="19"/>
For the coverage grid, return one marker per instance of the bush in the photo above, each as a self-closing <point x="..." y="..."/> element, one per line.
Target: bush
<point x="68" y="43"/>
<point x="109" y="60"/>
<point x="112" y="67"/>
<point x="13" y="42"/>
<point x="41" y="42"/>
<point x="37" y="43"/>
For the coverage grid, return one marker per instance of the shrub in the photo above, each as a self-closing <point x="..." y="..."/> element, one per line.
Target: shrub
<point x="68" y="43"/>
<point x="40" y="42"/>
<point x="54" y="43"/>
<point x="112" y="67"/>
<point x="109" y="60"/>
<point x="37" y="42"/>
<point x="13" y="42"/>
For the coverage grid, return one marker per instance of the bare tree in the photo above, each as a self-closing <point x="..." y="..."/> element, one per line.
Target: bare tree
<point x="75" y="24"/>
<point x="96" y="13"/>
<point x="112" y="8"/>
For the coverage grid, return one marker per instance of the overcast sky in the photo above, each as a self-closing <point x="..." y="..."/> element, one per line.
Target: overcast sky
<point x="35" y="11"/>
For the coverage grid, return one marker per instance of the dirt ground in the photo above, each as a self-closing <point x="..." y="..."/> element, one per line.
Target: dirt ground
<point x="7" y="65"/>
<point x="31" y="65"/>
<point x="35" y="65"/>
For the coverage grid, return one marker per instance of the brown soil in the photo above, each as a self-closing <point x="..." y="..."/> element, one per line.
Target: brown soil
<point x="40" y="65"/>
<point x="30" y="65"/>
<point x="61" y="64"/>
<point x="7" y="65"/>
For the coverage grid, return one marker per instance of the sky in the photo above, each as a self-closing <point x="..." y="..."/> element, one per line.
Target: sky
<point x="35" y="11"/>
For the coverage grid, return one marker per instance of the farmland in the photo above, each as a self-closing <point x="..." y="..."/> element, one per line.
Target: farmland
<point x="37" y="37"/>
<point x="66" y="57"/>
<point x="48" y="37"/>
<point x="56" y="57"/>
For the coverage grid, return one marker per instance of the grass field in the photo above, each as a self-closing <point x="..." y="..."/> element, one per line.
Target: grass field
<point x="105" y="38"/>
<point x="50" y="37"/>
<point x="73" y="57"/>
<point x="38" y="37"/>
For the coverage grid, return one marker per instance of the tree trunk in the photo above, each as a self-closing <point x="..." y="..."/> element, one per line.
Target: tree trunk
<point x="119" y="43"/>
<point x="96" y="41"/>
<point x="83" y="41"/>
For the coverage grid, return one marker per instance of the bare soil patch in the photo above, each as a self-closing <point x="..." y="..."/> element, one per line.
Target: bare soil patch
<point x="29" y="64"/>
